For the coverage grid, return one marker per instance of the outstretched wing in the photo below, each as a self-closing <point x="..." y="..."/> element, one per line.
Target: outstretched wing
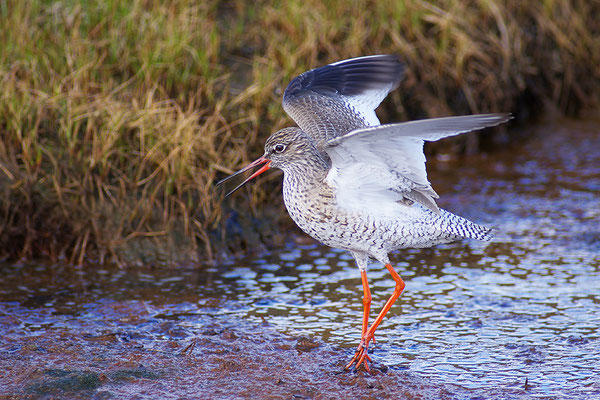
<point x="381" y="166"/>
<point x="330" y="101"/>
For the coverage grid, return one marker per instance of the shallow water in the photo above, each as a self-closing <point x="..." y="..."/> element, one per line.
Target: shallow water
<point x="520" y="312"/>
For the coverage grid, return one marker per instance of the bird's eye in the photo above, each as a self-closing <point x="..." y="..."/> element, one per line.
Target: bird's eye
<point x="279" y="148"/>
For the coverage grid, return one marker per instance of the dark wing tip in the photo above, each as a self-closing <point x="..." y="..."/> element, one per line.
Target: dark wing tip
<point x="349" y="77"/>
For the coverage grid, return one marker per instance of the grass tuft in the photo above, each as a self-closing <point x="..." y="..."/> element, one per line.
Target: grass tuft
<point x="116" y="117"/>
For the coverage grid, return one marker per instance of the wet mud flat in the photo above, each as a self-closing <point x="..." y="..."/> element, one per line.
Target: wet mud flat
<point x="517" y="318"/>
<point x="130" y="349"/>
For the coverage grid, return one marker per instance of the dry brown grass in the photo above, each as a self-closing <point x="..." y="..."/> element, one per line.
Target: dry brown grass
<point x="117" y="116"/>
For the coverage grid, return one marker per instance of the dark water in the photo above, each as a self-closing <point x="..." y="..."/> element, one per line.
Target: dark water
<point x="522" y="311"/>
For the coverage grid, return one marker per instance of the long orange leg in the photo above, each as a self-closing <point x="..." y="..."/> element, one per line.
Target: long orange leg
<point x="361" y="357"/>
<point x="366" y="308"/>
<point x="366" y="302"/>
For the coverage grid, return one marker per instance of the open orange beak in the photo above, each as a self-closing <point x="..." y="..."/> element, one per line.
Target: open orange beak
<point x="260" y="161"/>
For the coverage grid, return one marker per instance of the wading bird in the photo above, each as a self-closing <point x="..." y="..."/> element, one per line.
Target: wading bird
<point x="354" y="184"/>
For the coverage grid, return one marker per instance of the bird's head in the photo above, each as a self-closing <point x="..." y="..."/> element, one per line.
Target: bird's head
<point x="285" y="149"/>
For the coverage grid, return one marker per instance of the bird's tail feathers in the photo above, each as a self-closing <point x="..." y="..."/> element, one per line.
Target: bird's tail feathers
<point x="462" y="227"/>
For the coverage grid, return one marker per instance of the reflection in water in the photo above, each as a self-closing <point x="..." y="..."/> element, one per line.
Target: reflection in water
<point x="473" y="314"/>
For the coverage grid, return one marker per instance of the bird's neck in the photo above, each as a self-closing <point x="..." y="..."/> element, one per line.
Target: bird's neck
<point x="310" y="169"/>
